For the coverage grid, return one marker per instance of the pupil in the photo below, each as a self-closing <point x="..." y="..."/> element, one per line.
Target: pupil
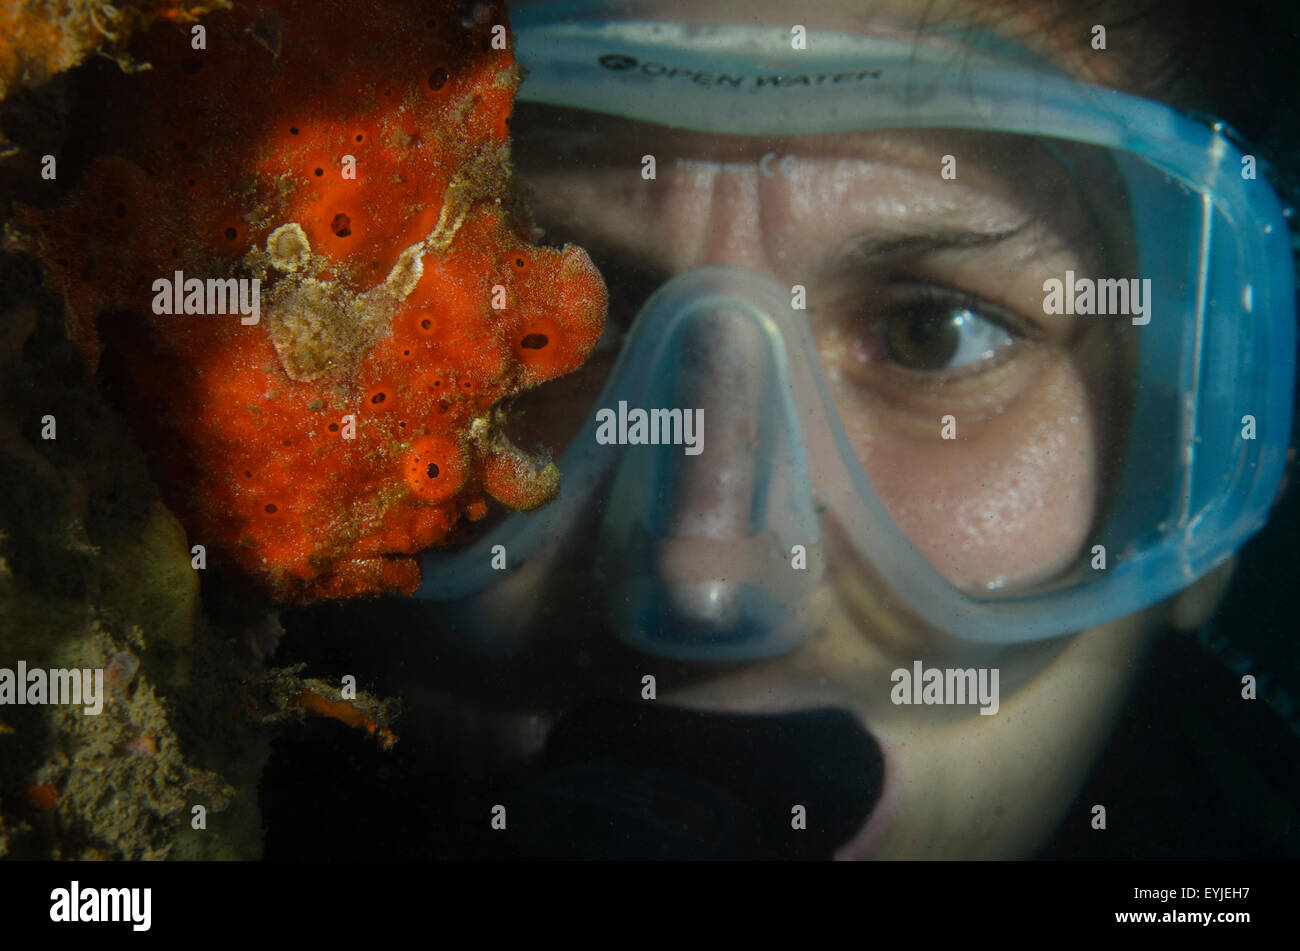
<point x="924" y="341"/>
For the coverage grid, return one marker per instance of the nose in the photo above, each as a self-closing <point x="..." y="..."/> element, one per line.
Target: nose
<point x="697" y="552"/>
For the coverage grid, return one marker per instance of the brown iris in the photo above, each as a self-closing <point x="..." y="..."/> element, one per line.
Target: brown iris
<point x="924" y="336"/>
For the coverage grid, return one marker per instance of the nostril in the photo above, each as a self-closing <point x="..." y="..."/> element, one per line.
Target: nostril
<point x="728" y="620"/>
<point x="707" y="599"/>
<point x="716" y="603"/>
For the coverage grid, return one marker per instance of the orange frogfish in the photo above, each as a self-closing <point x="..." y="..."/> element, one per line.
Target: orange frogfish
<point x="300" y="265"/>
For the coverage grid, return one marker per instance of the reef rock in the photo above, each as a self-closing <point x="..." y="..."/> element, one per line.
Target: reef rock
<point x="39" y="38"/>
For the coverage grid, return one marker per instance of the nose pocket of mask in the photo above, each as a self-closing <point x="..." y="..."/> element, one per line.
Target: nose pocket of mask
<point x="709" y="547"/>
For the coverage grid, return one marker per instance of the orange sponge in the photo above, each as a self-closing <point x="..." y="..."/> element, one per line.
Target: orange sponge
<point x="345" y="167"/>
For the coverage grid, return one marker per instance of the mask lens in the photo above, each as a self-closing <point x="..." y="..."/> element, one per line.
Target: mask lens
<point x="990" y="430"/>
<point x="1023" y="378"/>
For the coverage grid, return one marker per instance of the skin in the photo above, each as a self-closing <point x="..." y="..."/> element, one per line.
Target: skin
<point x="1011" y="501"/>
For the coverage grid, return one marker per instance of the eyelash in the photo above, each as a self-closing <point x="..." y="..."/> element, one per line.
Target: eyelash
<point x="907" y="292"/>
<point x="928" y="292"/>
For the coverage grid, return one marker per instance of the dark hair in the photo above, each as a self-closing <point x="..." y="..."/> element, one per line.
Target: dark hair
<point x="1235" y="59"/>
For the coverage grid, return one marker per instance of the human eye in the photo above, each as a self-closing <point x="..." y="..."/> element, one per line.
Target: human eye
<point x="920" y="342"/>
<point x="931" y="329"/>
<point x="920" y="334"/>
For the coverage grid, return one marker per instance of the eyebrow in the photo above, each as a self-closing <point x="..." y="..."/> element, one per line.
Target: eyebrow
<point x="874" y="246"/>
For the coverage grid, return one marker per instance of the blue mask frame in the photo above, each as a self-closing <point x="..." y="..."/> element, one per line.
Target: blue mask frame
<point x="1216" y="245"/>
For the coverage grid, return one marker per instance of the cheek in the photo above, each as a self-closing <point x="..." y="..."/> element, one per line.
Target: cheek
<point x="1010" y="500"/>
<point x="975" y="787"/>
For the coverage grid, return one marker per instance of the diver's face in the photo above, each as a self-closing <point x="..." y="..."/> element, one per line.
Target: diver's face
<point x="924" y="297"/>
<point x="925" y="300"/>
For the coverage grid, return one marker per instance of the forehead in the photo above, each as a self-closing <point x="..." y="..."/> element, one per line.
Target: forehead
<point x="786" y="193"/>
<point x="1004" y="164"/>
